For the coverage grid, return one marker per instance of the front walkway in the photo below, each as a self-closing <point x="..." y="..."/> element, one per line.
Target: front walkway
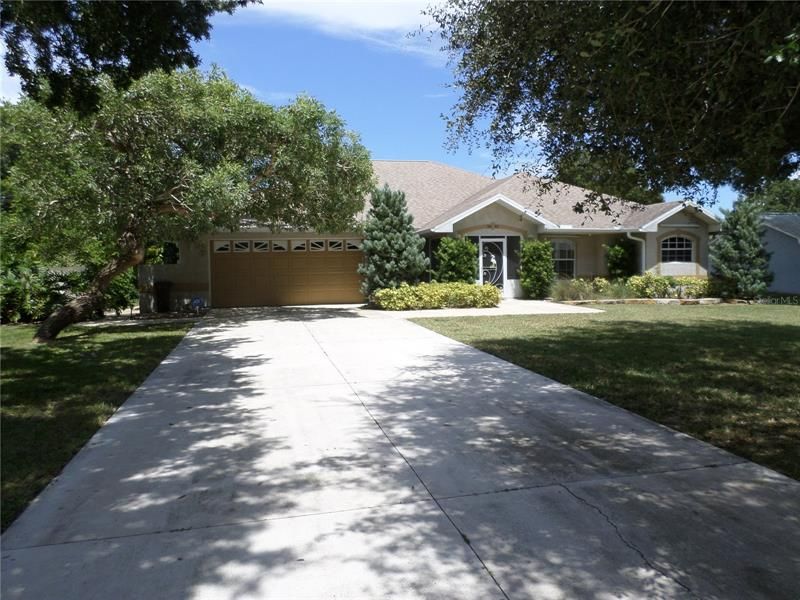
<point x="312" y="453"/>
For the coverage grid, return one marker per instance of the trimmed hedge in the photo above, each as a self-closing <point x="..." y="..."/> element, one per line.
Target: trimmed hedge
<point x="457" y="260"/>
<point x="536" y="268"/>
<point x="437" y="295"/>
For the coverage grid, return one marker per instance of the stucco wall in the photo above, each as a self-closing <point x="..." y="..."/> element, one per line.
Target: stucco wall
<point x="784" y="262"/>
<point x="590" y="255"/>
<point x="189" y="277"/>
<point x="497" y="220"/>
<point x="684" y="225"/>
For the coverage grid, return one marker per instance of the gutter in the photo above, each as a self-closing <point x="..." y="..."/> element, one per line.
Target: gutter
<point x="642" y="242"/>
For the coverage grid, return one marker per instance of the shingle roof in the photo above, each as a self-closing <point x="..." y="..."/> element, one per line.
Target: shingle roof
<point x="431" y="188"/>
<point x="436" y="193"/>
<point x="787" y="223"/>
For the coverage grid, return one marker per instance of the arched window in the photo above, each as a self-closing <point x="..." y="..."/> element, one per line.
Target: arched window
<point x="676" y="249"/>
<point x="564" y="257"/>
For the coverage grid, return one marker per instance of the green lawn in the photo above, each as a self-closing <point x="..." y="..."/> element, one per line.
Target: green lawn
<point x="54" y="397"/>
<point x="727" y="374"/>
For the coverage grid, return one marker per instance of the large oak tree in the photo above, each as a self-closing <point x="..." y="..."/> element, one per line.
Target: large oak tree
<point x="60" y="47"/>
<point x="689" y="94"/>
<point x="171" y="157"/>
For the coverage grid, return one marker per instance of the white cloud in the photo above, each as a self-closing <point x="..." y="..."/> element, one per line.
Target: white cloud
<point x="382" y="23"/>
<point x="341" y="16"/>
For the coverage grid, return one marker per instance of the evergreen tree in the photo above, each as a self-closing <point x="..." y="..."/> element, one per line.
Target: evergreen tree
<point x="393" y="251"/>
<point x="457" y="260"/>
<point x="737" y="254"/>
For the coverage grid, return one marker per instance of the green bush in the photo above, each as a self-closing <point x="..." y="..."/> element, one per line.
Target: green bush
<point x="26" y="293"/>
<point x="572" y="289"/>
<point x="437" y="295"/>
<point x="31" y="292"/>
<point x="690" y="287"/>
<point x="601" y="285"/>
<point x="457" y="260"/>
<point x="536" y="270"/>
<point x="621" y="259"/>
<point x="650" y="286"/>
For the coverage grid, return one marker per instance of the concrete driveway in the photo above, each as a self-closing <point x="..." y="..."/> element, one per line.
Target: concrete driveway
<point x="313" y="453"/>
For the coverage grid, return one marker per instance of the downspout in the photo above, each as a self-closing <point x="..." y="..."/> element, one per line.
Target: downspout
<point x="644" y="245"/>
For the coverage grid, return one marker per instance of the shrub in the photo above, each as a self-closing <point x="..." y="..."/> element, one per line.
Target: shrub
<point x="571" y="289"/>
<point x="690" y="287"/>
<point x="601" y="285"/>
<point x="437" y="295"/>
<point x="457" y="260"/>
<point x="24" y="293"/>
<point x="649" y="286"/>
<point x="31" y="292"/>
<point x="621" y="259"/>
<point x="393" y="251"/>
<point x="536" y="270"/>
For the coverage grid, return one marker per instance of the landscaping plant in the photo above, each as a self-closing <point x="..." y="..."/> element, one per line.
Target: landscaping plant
<point x="437" y="295"/>
<point x="621" y="259"/>
<point x="457" y="260"/>
<point x="536" y="269"/>
<point x="738" y="257"/>
<point x="393" y="251"/>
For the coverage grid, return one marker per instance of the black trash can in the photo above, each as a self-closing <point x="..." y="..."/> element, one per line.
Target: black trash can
<point x="161" y="290"/>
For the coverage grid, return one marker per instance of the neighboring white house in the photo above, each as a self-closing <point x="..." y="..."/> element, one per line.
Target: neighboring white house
<point x="781" y="238"/>
<point x="255" y="266"/>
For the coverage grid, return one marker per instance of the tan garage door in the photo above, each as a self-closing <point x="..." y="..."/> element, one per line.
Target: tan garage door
<point x="275" y="273"/>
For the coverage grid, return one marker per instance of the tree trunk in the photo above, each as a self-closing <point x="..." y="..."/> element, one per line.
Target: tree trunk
<point x="131" y="253"/>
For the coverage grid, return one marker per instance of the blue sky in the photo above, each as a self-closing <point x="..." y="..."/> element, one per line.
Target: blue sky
<point x="356" y="57"/>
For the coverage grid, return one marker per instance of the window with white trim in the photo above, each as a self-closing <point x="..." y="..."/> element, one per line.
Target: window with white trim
<point x="335" y="245"/>
<point x="676" y="248"/>
<point x="241" y="245"/>
<point x="564" y="258"/>
<point x="260" y="246"/>
<point x="279" y="246"/>
<point x="299" y="245"/>
<point x="316" y="245"/>
<point x="222" y="246"/>
<point x="353" y="245"/>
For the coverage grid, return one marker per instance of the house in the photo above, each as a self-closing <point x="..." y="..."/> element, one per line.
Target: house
<point x="255" y="266"/>
<point x="781" y="238"/>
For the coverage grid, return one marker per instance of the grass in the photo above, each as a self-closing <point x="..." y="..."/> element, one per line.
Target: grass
<point x="727" y="374"/>
<point x="54" y="397"/>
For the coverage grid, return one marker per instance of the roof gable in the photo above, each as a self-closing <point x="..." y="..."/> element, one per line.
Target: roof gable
<point x="785" y="223"/>
<point x="439" y="196"/>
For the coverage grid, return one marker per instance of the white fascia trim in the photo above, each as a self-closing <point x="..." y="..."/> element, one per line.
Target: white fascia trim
<point x="577" y="229"/>
<point x="653" y="225"/>
<point x="447" y="226"/>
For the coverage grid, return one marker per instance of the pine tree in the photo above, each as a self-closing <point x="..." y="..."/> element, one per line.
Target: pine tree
<point x="737" y="254"/>
<point x="393" y="251"/>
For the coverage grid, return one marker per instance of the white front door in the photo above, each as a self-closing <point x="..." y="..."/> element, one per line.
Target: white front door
<point x="492" y="261"/>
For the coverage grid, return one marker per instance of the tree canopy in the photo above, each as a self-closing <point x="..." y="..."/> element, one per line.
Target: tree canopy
<point x="171" y="157"/>
<point x="60" y="47"/>
<point x="689" y="94"/>
<point x="604" y="177"/>
<point x="778" y="196"/>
